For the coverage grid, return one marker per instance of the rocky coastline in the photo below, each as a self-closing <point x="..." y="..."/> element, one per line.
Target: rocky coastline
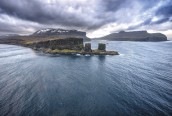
<point x="64" y="46"/>
<point x="70" y="46"/>
<point x="81" y="52"/>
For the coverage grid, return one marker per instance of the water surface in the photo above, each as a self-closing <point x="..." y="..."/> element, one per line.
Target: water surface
<point x="138" y="82"/>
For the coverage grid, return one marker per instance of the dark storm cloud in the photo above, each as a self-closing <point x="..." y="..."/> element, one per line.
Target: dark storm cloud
<point x="37" y="11"/>
<point x="148" y="3"/>
<point x="29" y="10"/>
<point x="149" y="22"/>
<point x="57" y="14"/>
<point x="161" y="21"/>
<point x="80" y="14"/>
<point x="146" y="22"/>
<point x="113" y="5"/>
<point x="165" y="11"/>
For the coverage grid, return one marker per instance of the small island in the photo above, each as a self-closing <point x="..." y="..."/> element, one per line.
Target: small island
<point x="142" y="36"/>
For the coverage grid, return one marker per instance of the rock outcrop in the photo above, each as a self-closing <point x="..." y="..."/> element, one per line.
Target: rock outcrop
<point x="135" y="36"/>
<point x="60" y="44"/>
<point x="87" y="47"/>
<point x="102" y="47"/>
<point x="86" y="50"/>
<point x="53" y="45"/>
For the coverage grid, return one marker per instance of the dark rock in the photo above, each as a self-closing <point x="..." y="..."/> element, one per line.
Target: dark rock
<point x="69" y="52"/>
<point x="102" y="47"/>
<point x="87" y="47"/>
<point x="67" y="43"/>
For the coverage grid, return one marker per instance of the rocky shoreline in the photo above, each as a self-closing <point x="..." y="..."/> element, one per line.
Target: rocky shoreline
<point x="81" y="52"/>
<point x="65" y="46"/>
<point x="69" y="46"/>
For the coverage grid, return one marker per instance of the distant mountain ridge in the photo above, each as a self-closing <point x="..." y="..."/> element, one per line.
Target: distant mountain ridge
<point x="134" y="36"/>
<point x="61" y="33"/>
<point x="48" y="33"/>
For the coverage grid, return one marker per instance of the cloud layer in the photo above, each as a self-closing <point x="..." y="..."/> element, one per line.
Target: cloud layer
<point x="97" y="17"/>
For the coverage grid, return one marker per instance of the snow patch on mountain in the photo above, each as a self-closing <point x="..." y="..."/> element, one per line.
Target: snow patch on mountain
<point x="43" y="31"/>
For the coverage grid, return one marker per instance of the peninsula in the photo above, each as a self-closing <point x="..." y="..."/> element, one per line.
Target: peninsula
<point x="58" y="41"/>
<point x="67" y="46"/>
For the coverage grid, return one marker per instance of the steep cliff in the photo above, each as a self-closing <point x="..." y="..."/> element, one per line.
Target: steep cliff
<point x="60" y="44"/>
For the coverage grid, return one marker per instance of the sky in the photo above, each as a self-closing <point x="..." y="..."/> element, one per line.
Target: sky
<point x="96" y="17"/>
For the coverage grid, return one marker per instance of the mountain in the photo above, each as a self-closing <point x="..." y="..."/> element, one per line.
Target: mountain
<point x="43" y="35"/>
<point x="61" y="33"/>
<point x="135" y="36"/>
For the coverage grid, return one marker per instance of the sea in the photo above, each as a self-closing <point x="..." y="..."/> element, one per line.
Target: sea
<point x="138" y="82"/>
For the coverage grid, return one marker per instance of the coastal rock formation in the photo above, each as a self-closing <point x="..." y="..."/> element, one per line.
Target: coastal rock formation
<point x="54" y="45"/>
<point x="69" y="46"/>
<point x="47" y="42"/>
<point x="60" y="44"/>
<point x="135" y="36"/>
<point x="102" y="47"/>
<point x="87" y="47"/>
<point x="84" y="51"/>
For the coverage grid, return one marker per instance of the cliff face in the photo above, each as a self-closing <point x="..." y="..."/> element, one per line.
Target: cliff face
<point x="61" y="33"/>
<point x="135" y="36"/>
<point x="60" y="44"/>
